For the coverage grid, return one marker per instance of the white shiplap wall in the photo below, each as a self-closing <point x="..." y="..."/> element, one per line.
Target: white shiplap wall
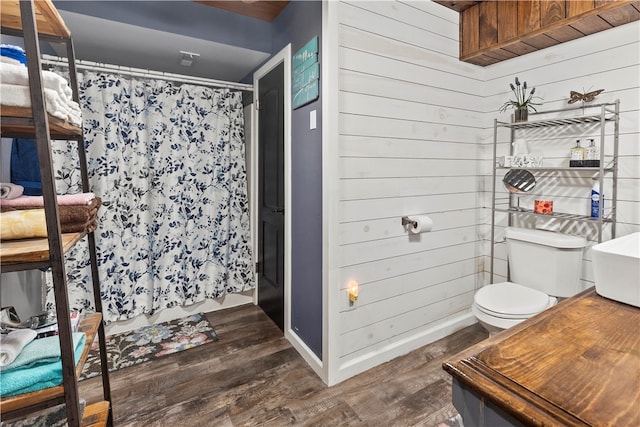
<point x="608" y="60"/>
<point x="414" y="136"/>
<point x="410" y="132"/>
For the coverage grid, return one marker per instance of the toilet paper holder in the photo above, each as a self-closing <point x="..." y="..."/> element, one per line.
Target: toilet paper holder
<point x="406" y="220"/>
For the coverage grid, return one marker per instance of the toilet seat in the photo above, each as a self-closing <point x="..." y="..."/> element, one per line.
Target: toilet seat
<point x="508" y="300"/>
<point x="508" y="304"/>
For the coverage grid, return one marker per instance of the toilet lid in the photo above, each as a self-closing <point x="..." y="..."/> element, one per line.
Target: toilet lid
<point x="511" y="299"/>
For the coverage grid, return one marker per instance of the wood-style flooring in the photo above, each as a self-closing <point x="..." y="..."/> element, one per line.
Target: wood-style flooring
<point x="253" y="377"/>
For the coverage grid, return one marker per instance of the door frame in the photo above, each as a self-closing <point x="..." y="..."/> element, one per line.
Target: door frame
<point x="284" y="56"/>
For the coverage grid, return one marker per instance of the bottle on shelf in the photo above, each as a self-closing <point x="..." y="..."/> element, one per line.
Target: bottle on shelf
<point x="577" y="155"/>
<point x="592" y="154"/>
<point x="595" y="199"/>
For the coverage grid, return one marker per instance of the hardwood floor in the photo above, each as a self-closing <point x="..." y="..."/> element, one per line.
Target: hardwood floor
<point x="252" y="376"/>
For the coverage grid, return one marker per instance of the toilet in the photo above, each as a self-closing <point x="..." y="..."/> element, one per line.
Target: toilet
<point x="544" y="266"/>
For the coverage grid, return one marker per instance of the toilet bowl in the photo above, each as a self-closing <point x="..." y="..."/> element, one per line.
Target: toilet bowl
<point x="544" y="265"/>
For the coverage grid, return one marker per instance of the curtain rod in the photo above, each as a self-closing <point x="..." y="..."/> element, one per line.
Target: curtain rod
<point x="141" y="72"/>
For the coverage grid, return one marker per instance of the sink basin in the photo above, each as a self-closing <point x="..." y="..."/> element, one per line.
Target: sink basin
<point x="616" y="269"/>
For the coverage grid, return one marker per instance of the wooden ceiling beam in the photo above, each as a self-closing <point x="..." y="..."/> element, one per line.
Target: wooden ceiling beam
<point x="458" y="6"/>
<point x="492" y="31"/>
<point x="265" y="10"/>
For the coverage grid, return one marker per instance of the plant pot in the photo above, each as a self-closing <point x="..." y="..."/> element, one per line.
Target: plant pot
<point x="521" y="115"/>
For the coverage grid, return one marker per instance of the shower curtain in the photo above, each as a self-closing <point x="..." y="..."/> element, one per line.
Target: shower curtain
<point x="168" y="162"/>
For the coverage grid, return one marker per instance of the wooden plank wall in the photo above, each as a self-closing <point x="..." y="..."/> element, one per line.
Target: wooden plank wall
<point x="607" y="60"/>
<point x="416" y="127"/>
<point x="409" y="144"/>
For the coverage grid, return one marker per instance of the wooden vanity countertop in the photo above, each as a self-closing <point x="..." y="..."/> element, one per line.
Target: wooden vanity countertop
<point x="576" y="364"/>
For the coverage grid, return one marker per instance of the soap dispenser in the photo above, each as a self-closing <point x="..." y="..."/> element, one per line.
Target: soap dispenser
<point x="593" y="155"/>
<point x="577" y="155"/>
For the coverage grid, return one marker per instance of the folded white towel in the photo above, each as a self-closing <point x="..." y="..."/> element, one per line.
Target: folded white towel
<point x="10" y="191"/>
<point x="14" y="74"/>
<point x="58" y="83"/>
<point x="65" y="107"/>
<point x="12" y="344"/>
<point x="18" y="75"/>
<point x="8" y="60"/>
<point x="19" y="96"/>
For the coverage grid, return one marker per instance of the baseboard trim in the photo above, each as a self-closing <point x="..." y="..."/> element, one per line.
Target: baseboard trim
<point x="307" y="354"/>
<point x="376" y="357"/>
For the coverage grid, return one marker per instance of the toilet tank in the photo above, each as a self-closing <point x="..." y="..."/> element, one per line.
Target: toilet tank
<point x="545" y="260"/>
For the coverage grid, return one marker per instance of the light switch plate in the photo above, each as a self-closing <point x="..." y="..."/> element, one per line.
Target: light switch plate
<point x="312" y="119"/>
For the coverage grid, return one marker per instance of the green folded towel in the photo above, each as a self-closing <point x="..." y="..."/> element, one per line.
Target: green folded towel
<point x="38" y="366"/>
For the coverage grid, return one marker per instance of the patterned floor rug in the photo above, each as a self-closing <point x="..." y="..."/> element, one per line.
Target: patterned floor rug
<point x="150" y="342"/>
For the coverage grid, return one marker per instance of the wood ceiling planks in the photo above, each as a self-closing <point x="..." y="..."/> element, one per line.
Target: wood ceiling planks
<point x="492" y="31"/>
<point x="266" y="10"/>
<point x="458" y="6"/>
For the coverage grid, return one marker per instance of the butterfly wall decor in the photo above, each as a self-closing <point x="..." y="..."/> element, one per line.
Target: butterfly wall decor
<point x="584" y="97"/>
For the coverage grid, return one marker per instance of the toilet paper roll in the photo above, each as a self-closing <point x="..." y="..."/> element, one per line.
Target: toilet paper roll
<point x="421" y="224"/>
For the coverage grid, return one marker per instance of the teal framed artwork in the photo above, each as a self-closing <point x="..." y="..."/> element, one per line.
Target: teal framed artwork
<point x="305" y="74"/>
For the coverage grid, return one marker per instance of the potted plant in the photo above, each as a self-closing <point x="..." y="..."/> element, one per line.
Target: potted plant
<point x="524" y="101"/>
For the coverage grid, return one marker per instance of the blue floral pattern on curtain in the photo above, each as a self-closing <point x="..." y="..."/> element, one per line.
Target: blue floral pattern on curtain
<point x="168" y="162"/>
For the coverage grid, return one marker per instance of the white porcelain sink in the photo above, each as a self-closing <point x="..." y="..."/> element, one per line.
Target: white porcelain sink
<point x="616" y="269"/>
